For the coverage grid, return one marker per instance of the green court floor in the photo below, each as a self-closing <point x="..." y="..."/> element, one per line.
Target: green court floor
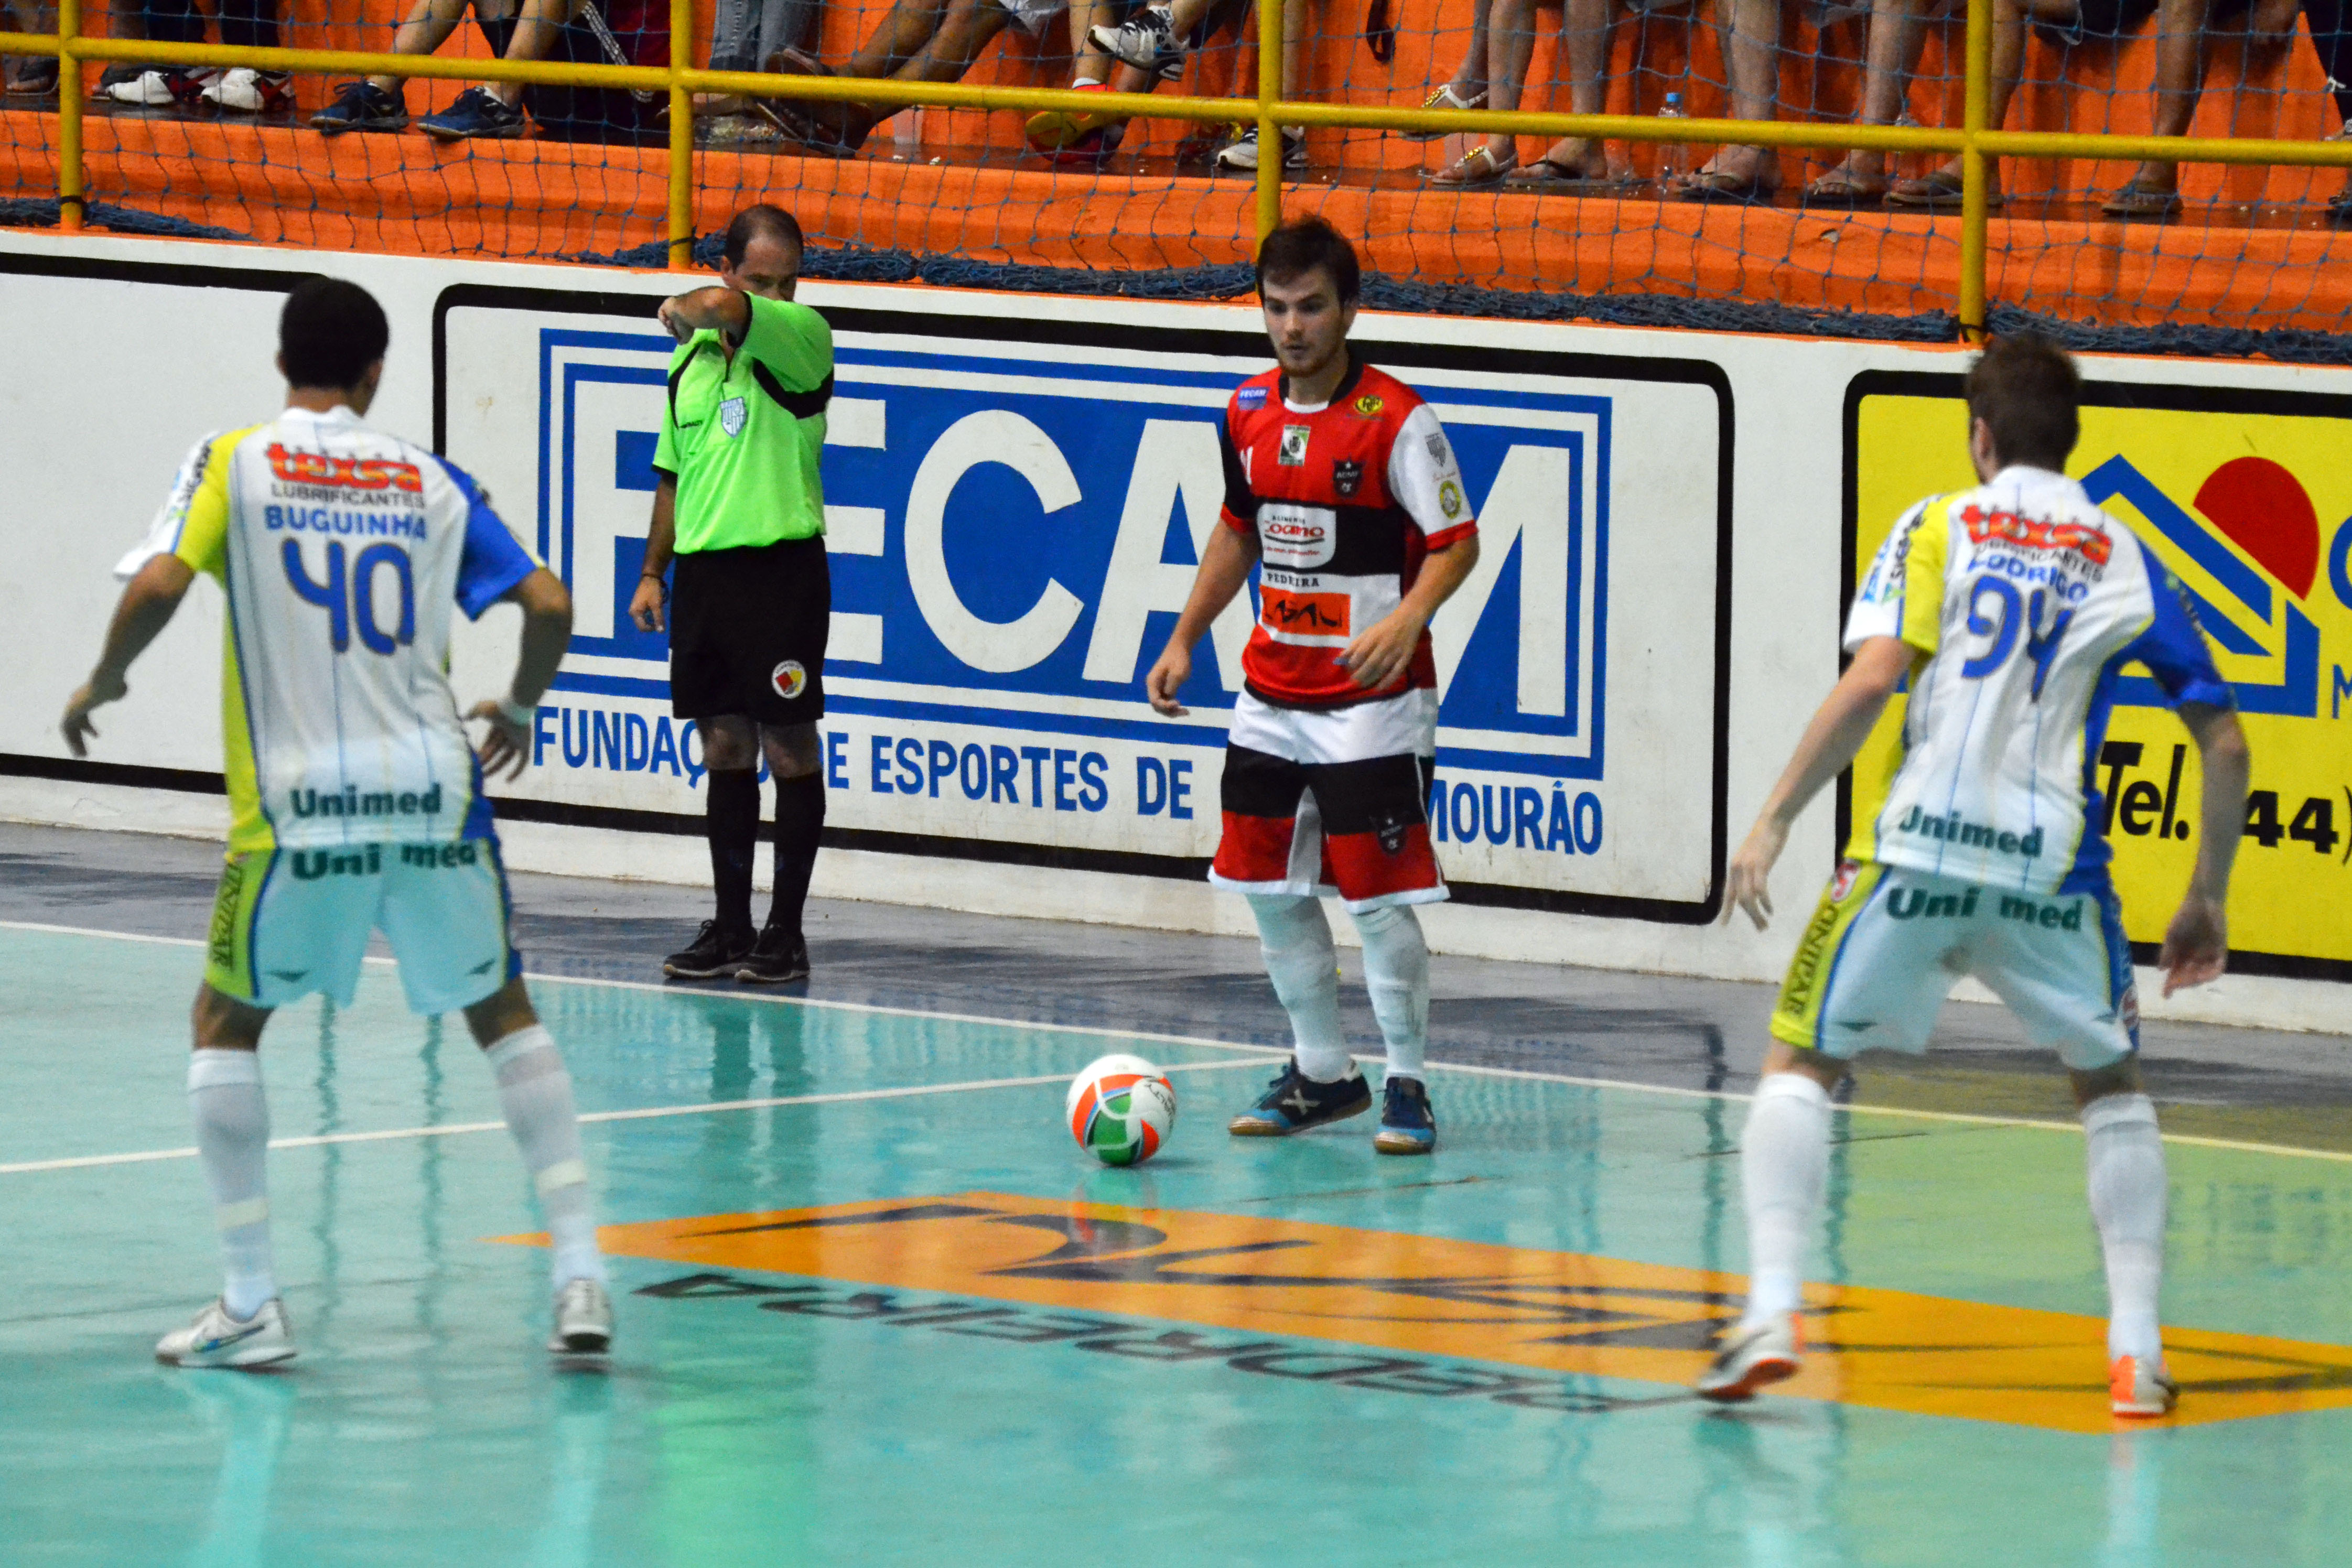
<point x="758" y="1418"/>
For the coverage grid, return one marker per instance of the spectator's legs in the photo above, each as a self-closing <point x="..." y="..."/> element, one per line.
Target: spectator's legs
<point x="174" y="22"/>
<point x="1899" y="31"/>
<point x="900" y="36"/>
<point x="2180" y="77"/>
<point x="1510" y="45"/>
<point x="1750" y="32"/>
<point x="927" y="46"/>
<point x="1587" y="25"/>
<point x="429" y="26"/>
<point x="2331" y="36"/>
<point x="1092" y="65"/>
<point x="248" y="23"/>
<point x="2009" y="20"/>
<point x="541" y="23"/>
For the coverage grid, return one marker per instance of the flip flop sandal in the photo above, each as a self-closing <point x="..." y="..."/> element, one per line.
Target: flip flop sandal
<point x="1937" y="193"/>
<point x="1443" y="97"/>
<point x="1838" y="188"/>
<point x="1478" y="168"/>
<point x="1564" y="179"/>
<point x="798" y="63"/>
<point x="1714" y="185"/>
<point x="2136" y="201"/>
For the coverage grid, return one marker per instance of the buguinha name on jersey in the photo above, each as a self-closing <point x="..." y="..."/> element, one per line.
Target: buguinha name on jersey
<point x="2028" y="602"/>
<point x="343" y="549"/>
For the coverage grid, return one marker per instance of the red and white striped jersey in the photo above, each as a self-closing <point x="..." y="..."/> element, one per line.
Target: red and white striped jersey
<point x="1345" y="498"/>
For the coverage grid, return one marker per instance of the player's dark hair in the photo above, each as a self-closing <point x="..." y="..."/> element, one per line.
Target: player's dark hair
<point x="329" y="333"/>
<point x="2026" y="390"/>
<point x="1310" y="244"/>
<point x="751" y="222"/>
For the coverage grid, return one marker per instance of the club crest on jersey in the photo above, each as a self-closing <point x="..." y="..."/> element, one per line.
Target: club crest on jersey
<point x="1293" y="454"/>
<point x="1347" y="475"/>
<point x="732" y="414"/>
<point x="789" y="679"/>
<point x="1367" y="405"/>
<point x="1249" y="398"/>
<point x="1391" y="836"/>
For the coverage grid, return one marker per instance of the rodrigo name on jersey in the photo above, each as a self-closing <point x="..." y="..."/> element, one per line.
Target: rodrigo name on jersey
<point x="343" y="549"/>
<point x="2028" y="602"/>
<point x="1345" y="498"/>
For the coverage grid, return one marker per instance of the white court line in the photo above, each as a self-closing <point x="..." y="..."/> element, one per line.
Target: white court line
<point x="2189" y="1140"/>
<point x="646" y="1113"/>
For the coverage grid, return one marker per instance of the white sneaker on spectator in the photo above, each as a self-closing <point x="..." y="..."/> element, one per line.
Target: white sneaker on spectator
<point x="245" y="91"/>
<point x="152" y="88"/>
<point x="1243" y="154"/>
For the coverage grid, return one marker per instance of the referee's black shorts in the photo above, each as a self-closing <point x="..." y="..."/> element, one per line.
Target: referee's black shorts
<point x="747" y="631"/>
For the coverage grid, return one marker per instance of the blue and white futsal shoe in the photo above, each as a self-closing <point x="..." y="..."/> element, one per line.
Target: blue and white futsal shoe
<point x="216" y="1338"/>
<point x="1408" y="1127"/>
<point x="1293" y="1103"/>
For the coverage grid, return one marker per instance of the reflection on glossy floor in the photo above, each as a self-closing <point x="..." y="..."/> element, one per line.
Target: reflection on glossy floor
<point x="887" y="1313"/>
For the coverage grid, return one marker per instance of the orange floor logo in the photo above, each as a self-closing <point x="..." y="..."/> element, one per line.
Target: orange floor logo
<point x="1550" y="1312"/>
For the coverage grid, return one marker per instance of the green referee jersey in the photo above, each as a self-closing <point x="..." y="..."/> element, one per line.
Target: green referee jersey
<point x="742" y="438"/>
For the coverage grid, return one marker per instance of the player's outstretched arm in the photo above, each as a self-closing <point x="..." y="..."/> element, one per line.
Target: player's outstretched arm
<point x="2196" y="943"/>
<point x="1224" y="568"/>
<point x="1380" y="653"/>
<point x="546" y="632"/>
<point x="145" y="608"/>
<point x="1827" y="749"/>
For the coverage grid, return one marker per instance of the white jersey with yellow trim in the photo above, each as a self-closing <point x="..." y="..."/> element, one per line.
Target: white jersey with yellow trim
<point x="343" y="549"/>
<point x="2028" y="602"/>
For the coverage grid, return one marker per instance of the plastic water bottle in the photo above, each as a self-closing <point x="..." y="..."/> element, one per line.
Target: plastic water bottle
<point x="1673" y="157"/>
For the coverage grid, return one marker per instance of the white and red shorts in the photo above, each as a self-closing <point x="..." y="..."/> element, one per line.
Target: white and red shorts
<point x="1324" y="800"/>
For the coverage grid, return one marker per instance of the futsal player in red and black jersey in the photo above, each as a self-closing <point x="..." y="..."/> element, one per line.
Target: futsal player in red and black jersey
<point x="1341" y="486"/>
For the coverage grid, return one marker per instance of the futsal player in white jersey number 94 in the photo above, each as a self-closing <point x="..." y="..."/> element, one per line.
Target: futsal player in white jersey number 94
<point x="2011" y="608"/>
<point x="355" y="799"/>
<point x="1341" y="483"/>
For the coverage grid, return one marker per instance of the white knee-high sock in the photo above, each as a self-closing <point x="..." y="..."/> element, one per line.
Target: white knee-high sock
<point x="1396" y="973"/>
<point x="1305" y="969"/>
<point x="535" y="1093"/>
<point x="2125" y="1157"/>
<point x="1784" y="1165"/>
<point x="232" y="1117"/>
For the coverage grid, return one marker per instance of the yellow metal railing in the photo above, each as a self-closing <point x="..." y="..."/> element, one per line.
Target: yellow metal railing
<point x="1976" y="142"/>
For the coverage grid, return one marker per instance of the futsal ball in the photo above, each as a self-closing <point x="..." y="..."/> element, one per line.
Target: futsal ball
<point x="1121" y="1110"/>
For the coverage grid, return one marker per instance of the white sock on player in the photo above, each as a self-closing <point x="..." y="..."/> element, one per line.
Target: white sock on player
<point x="1396" y="974"/>
<point x="2125" y="1159"/>
<point x="535" y="1093"/>
<point x="232" y="1117"/>
<point x="1784" y="1163"/>
<point x="1305" y="969"/>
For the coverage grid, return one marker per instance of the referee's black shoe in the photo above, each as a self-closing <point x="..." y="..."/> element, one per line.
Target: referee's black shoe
<point x="715" y="952"/>
<point x="779" y="959"/>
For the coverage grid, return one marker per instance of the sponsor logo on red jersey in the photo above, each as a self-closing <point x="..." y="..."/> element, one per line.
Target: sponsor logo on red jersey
<point x="1304" y="615"/>
<point x="345" y="473"/>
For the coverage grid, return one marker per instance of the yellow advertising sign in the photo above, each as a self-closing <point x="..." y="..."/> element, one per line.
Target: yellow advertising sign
<point x="1552" y="1312"/>
<point x="2247" y="497"/>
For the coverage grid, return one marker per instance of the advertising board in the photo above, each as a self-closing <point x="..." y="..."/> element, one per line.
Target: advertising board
<point x="1013" y="512"/>
<point x="2245" y="495"/>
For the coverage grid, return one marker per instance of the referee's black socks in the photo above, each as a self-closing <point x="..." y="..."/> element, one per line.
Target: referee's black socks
<point x="799" y="819"/>
<point x="733" y="825"/>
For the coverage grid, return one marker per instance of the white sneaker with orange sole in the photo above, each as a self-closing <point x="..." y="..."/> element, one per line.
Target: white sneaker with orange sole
<point x="2140" y="1389"/>
<point x="1752" y="1356"/>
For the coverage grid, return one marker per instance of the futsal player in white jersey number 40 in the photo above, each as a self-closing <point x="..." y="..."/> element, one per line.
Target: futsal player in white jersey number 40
<point x="355" y="800"/>
<point x="2012" y="608"/>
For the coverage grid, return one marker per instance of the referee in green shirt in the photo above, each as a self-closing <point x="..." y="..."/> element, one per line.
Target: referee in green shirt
<point x="741" y="508"/>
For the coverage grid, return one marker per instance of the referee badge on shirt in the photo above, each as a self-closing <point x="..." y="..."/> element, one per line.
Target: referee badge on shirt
<point x="732" y="414"/>
<point x="789" y="678"/>
<point x="1347" y="475"/>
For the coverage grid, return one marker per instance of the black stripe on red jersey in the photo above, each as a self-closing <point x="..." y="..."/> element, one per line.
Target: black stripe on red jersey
<point x="1367" y="541"/>
<point x="1240" y="503"/>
